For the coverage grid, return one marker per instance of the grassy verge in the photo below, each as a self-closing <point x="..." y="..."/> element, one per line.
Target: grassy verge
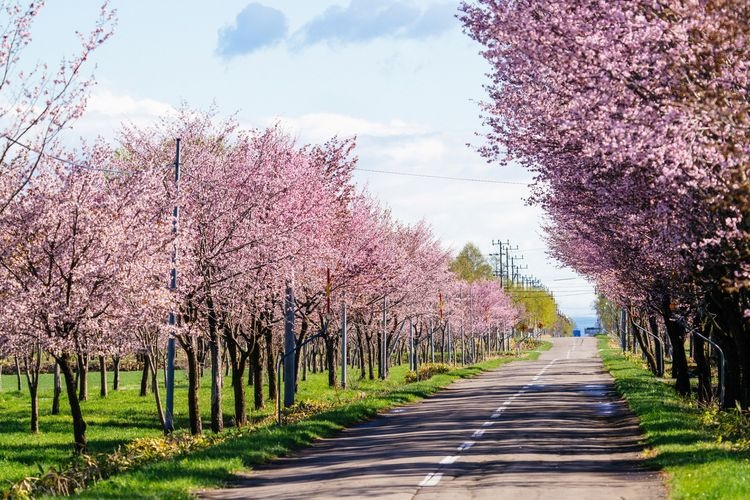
<point x="699" y="463"/>
<point x="217" y="465"/>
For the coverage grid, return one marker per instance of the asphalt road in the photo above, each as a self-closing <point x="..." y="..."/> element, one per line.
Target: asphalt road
<point x="551" y="429"/>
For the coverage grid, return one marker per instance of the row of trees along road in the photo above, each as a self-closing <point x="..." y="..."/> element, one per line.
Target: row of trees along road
<point x="633" y="116"/>
<point x="90" y="238"/>
<point x="538" y="306"/>
<point x="89" y="253"/>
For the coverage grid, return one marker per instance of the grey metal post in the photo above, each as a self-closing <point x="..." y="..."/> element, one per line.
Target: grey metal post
<point x="169" y="413"/>
<point x="383" y="350"/>
<point x="289" y="346"/>
<point x="344" y="361"/>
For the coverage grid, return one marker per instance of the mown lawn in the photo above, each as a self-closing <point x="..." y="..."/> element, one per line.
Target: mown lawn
<point x="678" y="442"/>
<point x="120" y="417"/>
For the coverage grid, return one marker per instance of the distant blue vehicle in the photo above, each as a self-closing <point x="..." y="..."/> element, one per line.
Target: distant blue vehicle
<point x="576" y="333"/>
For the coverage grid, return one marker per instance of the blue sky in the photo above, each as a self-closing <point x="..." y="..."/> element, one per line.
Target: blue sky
<point x="399" y="74"/>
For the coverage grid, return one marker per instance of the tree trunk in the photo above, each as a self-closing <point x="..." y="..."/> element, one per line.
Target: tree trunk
<point x="647" y="352"/>
<point x="270" y="363"/>
<point x="298" y="354"/>
<point x="237" y="363"/>
<point x="83" y="377"/>
<point x="57" y="389"/>
<point x="145" y="375"/>
<point x="659" y="345"/>
<point x="102" y="377"/>
<point x="154" y="364"/>
<point x="704" y="369"/>
<point x="361" y="357"/>
<point x="217" y="417"/>
<point x="370" y="360"/>
<point x="194" y="383"/>
<point x="31" y="365"/>
<point x="18" y="374"/>
<point x="331" y="365"/>
<point x="256" y="363"/>
<point x="442" y="345"/>
<point x="115" y="373"/>
<point x="379" y="346"/>
<point x="676" y="332"/>
<point x="79" y="425"/>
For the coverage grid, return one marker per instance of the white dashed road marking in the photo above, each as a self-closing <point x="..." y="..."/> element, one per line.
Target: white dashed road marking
<point x="433" y="478"/>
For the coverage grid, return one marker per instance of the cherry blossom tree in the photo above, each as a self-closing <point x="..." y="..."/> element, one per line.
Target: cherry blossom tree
<point x="38" y="102"/>
<point x="633" y="116"/>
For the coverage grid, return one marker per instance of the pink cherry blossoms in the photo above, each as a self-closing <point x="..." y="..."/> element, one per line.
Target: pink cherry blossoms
<point x="633" y="115"/>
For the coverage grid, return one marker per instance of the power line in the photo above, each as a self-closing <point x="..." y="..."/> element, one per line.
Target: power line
<point x="442" y="177"/>
<point x="63" y="160"/>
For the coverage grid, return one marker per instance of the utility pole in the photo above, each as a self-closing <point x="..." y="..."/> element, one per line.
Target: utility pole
<point x="289" y="379"/>
<point x="497" y="258"/>
<point x="343" y="340"/>
<point x="169" y="414"/>
<point x="508" y="265"/>
<point x="383" y="347"/>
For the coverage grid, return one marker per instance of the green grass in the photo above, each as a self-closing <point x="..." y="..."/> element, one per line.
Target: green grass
<point x="698" y="465"/>
<point x="124" y="416"/>
<point x="120" y="417"/>
<point x="217" y="465"/>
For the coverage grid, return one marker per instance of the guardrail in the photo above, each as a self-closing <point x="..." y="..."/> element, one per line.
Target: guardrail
<point x="660" y="349"/>
<point x="722" y="362"/>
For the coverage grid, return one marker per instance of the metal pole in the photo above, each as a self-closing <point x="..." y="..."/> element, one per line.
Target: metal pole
<point x="289" y="346"/>
<point x="384" y="340"/>
<point x="659" y="350"/>
<point x="343" y="340"/>
<point x="722" y="364"/>
<point x="169" y="413"/>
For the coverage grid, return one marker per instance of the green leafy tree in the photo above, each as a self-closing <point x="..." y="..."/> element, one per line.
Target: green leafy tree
<point x="539" y="304"/>
<point x="607" y="312"/>
<point x="470" y="264"/>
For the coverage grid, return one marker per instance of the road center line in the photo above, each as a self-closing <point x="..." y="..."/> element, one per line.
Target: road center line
<point x="466" y="445"/>
<point x="432" y="479"/>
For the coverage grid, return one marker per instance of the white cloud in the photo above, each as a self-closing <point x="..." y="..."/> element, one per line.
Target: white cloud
<point x="416" y="151"/>
<point x="106" y="111"/>
<point x="104" y="102"/>
<point x="317" y="127"/>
